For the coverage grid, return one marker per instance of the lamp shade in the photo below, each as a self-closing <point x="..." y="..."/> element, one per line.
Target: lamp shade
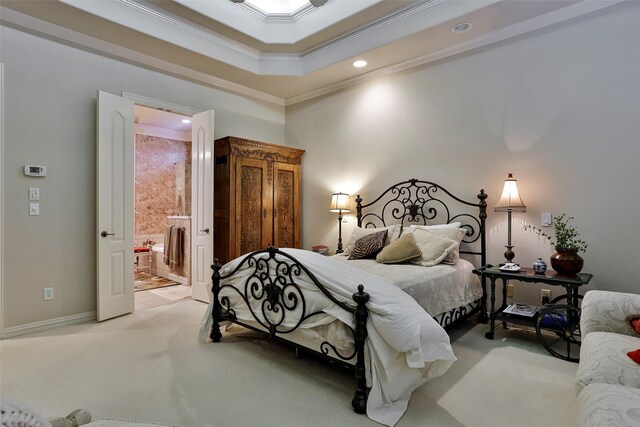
<point x="510" y="198"/>
<point x="339" y="202"/>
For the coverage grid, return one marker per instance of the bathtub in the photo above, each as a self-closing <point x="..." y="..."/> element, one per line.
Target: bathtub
<point x="159" y="268"/>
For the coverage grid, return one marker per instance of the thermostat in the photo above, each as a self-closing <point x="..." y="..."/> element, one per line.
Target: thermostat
<point x="35" y="170"/>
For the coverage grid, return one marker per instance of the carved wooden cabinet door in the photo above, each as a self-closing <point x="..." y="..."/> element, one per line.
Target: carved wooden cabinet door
<point x="286" y="205"/>
<point x="254" y="209"/>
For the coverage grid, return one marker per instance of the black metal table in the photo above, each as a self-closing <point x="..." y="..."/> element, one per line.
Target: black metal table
<point x="557" y="323"/>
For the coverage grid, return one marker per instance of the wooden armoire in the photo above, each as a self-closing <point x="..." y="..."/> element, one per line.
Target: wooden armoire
<point x="256" y="197"/>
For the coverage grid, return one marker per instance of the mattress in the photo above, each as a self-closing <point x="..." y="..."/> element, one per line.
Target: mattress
<point x="437" y="289"/>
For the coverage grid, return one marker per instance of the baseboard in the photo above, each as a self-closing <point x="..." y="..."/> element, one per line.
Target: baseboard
<point x="47" y="324"/>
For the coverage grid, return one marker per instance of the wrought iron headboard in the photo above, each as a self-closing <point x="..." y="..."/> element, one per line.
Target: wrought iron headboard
<point x="424" y="203"/>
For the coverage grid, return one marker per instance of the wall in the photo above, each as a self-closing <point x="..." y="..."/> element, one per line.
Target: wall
<point x="49" y="116"/>
<point x="157" y="161"/>
<point x="558" y="108"/>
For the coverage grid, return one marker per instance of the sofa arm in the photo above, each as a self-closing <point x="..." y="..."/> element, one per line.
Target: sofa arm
<point x="605" y="311"/>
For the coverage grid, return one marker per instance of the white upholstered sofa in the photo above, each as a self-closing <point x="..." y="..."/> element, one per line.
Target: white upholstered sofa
<point x="607" y="380"/>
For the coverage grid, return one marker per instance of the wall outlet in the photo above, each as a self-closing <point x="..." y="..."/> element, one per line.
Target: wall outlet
<point x="509" y="290"/>
<point x="48" y="294"/>
<point x="545" y="295"/>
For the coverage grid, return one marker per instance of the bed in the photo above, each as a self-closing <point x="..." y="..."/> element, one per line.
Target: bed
<point x="353" y="314"/>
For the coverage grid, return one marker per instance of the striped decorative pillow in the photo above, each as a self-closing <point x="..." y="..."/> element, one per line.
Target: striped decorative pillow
<point x="368" y="246"/>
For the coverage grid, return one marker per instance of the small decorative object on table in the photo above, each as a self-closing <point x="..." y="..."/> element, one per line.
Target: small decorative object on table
<point x="567" y="244"/>
<point x="539" y="266"/>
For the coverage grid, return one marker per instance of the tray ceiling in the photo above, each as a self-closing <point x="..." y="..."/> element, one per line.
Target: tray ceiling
<point x="284" y="55"/>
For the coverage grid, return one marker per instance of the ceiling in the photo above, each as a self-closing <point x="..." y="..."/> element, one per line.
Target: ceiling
<point x="161" y="119"/>
<point x="289" y="55"/>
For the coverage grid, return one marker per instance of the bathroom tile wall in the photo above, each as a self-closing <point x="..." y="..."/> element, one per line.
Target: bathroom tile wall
<point x="155" y="182"/>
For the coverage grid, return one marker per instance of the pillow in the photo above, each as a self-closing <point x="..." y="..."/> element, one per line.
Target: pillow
<point x="369" y="245"/>
<point x="392" y="235"/>
<point x="635" y="323"/>
<point x="434" y="247"/>
<point x="635" y="355"/>
<point x="431" y="227"/>
<point x="452" y="233"/>
<point x="403" y="249"/>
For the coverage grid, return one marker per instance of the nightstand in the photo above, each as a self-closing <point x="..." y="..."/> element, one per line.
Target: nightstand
<point x="557" y="323"/>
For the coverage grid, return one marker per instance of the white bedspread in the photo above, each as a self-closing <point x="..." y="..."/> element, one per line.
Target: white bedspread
<point x="407" y="347"/>
<point x="438" y="289"/>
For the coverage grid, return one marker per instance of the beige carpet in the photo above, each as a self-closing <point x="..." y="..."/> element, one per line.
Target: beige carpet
<point x="149" y="366"/>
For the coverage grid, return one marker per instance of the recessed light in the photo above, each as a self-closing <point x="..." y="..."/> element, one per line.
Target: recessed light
<point x="461" y="27"/>
<point x="186" y="121"/>
<point x="360" y="63"/>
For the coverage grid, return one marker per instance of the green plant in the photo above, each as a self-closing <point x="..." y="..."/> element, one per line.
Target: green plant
<point x="566" y="235"/>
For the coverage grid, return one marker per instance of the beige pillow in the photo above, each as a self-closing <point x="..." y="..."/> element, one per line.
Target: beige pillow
<point x="452" y="233"/>
<point x="403" y="249"/>
<point x="434" y="247"/>
<point x="393" y="232"/>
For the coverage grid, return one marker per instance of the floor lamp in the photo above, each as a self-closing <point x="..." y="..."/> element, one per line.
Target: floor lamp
<point x="510" y="201"/>
<point x="339" y="203"/>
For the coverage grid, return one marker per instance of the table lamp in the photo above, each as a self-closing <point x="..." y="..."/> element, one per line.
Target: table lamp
<point x="510" y="201"/>
<point x="339" y="203"/>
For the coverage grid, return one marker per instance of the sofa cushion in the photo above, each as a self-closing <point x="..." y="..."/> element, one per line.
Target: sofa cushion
<point x="603" y="359"/>
<point x="606" y="311"/>
<point x="608" y="405"/>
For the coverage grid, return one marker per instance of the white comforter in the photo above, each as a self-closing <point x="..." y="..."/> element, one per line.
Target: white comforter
<point x="407" y="347"/>
<point x="438" y="289"/>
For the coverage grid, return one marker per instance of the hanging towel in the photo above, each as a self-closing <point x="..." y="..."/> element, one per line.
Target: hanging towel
<point x="168" y="231"/>
<point x="176" y="257"/>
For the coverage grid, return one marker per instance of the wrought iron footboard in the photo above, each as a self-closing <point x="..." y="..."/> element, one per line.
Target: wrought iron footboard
<point x="273" y="287"/>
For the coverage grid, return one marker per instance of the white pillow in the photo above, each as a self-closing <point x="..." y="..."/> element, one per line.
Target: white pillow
<point x="436" y="226"/>
<point x="453" y="233"/>
<point x="393" y="232"/>
<point x="434" y="247"/>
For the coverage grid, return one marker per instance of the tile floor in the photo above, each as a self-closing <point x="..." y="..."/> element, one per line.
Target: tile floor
<point x="161" y="296"/>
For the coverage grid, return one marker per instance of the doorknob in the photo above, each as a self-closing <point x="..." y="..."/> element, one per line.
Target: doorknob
<point x="105" y="234"/>
<point x="206" y="230"/>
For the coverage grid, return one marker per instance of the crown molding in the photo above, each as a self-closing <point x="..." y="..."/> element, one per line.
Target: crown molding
<point x="533" y="24"/>
<point x="277" y="17"/>
<point x="63" y="35"/>
<point x="276" y="28"/>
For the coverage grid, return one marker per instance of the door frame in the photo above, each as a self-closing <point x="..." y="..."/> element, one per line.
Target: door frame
<point x="166" y="106"/>
<point x="2" y="180"/>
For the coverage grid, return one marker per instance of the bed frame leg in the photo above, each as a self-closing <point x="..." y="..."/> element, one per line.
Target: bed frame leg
<point x="216" y="335"/>
<point x="359" y="401"/>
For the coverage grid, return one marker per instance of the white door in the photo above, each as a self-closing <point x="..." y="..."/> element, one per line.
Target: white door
<point x="115" y="233"/>
<point x="201" y="204"/>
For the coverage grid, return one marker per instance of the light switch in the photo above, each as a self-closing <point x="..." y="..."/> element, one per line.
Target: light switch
<point x="34" y="193"/>
<point x="34" y="209"/>
<point x="545" y="221"/>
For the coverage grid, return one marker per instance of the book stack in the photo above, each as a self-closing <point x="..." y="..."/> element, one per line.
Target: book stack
<point x="321" y="249"/>
<point x="522" y="310"/>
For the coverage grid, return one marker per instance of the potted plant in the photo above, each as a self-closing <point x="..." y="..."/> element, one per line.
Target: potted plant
<point x="567" y="243"/>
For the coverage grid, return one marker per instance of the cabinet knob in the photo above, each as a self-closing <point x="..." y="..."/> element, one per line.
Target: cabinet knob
<point x="206" y="230"/>
<point x="105" y="234"/>
<point x="264" y="211"/>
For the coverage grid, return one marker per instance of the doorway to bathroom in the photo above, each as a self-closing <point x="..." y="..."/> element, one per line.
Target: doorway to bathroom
<point x="162" y="224"/>
<point x="115" y="175"/>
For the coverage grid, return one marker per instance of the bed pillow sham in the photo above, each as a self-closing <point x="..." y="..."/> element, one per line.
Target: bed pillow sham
<point x="402" y="250"/>
<point x="453" y="233"/>
<point x="393" y="232"/>
<point x="434" y="247"/>
<point x="368" y="246"/>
